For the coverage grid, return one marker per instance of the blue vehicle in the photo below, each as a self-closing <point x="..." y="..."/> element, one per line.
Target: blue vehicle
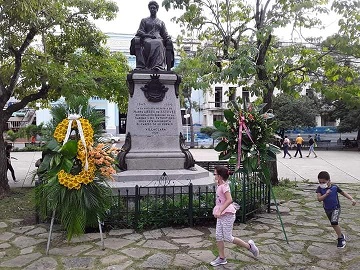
<point x="313" y="130"/>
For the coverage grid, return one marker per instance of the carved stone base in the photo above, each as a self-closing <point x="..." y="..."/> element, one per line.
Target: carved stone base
<point x="127" y="180"/>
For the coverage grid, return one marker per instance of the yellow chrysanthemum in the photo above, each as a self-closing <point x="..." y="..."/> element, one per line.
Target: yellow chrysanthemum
<point x="84" y="177"/>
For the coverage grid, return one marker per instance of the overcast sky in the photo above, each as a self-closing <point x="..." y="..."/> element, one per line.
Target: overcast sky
<point x="130" y="14"/>
<point x="132" y="11"/>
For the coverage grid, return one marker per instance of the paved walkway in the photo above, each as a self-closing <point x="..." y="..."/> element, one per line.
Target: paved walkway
<point x="343" y="166"/>
<point x="312" y="243"/>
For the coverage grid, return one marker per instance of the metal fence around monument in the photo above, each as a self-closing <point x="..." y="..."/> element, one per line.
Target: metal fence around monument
<point x="162" y="206"/>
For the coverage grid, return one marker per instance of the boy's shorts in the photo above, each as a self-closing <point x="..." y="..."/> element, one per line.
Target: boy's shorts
<point x="333" y="216"/>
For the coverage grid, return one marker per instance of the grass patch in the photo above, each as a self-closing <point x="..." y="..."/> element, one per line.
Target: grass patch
<point x="19" y="204"/>
<point x="284" y="190"/>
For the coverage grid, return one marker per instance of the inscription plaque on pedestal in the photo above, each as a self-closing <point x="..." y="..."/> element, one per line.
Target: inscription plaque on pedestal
<point x="155" y="120"/>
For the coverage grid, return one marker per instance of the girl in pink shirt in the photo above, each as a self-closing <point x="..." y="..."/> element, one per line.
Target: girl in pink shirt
<point x="224" y="211"/>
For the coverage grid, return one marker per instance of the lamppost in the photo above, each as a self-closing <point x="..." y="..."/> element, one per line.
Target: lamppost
<point x="186" y="116"/>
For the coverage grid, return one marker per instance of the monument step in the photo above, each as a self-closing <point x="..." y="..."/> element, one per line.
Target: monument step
<point x="151" y="178"/>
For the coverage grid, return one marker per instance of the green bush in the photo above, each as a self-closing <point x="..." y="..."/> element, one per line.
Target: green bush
<point x="11" y="135"/>
<point x="30" y="148"/>
<point x="208" y="130"/>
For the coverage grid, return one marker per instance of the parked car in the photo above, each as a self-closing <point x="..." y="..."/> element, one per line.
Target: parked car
<point x="109" y="138"/>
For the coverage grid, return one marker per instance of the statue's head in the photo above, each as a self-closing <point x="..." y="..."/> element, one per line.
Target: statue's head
<point x="153" y="3"/>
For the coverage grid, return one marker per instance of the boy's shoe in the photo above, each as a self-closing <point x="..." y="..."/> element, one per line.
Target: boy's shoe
<point x="218" y="261"/>
<point x="341" y="242"/>
<point x="253" y="249"/>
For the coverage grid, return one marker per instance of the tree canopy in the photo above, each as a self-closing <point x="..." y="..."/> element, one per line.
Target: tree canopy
<point x="349" y="117"/>
<point x="241" y="35"/>
<point x="294" y="112"/>
<point x="52" y="48"/>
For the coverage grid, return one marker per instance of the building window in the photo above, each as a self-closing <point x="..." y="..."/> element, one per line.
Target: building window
<point x="232" y="93"/>
<point x="102" y="112"/>
<point x="245" y="95"/>
<point x="122" y="123"/>
<point x="310" y="92"/>
<point x="217" y="118"/>
<point x="218" y="97"/>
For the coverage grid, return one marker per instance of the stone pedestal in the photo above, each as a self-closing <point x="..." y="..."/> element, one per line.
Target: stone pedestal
<point x="154" y="142"/>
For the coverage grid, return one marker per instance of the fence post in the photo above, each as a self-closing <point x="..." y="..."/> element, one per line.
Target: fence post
<point x="191" y="203"/>
<point x="244" y="187"/>
<point x="165" y="205"/>
<point x="137" y="207"/>
<point x="268" y="197"/>
<point x="37" y="214"/>
<point x="118" y="207"/>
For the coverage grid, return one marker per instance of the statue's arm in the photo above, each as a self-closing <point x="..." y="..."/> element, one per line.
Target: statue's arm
<point x="163" y="32"/>
<point x="141" y="32"/>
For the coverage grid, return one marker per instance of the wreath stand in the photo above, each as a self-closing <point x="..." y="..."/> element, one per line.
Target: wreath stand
<point x="51" y="229"/>
<point x="278" y="212"/>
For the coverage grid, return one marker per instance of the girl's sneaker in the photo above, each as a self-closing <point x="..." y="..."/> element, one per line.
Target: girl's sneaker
<point x="218" y="261"/>
<point x="254" y="250"/>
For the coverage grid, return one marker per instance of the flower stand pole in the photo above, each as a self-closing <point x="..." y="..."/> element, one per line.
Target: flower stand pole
<point x="51" y="229"/>
<point x="50" y="233"/>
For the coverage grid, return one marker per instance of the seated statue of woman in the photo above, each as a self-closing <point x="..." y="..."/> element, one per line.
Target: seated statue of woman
<point x="153" y="35"/>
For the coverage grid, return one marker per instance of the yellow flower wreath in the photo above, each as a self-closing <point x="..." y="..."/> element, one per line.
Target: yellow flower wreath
<point x="85" y="176"/>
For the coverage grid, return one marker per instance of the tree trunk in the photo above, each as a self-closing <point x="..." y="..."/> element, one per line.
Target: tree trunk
<point x="273" y="172"/>
<point x="4" y="183"/>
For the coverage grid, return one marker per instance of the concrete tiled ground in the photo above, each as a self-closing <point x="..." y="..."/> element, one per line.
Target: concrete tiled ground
<point x="311" y="241"/>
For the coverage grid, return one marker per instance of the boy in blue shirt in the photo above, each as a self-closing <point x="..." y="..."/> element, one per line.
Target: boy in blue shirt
<point x="328" y="194"/>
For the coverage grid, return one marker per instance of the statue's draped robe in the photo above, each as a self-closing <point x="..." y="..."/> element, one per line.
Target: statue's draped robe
<point x="154" y="50"/>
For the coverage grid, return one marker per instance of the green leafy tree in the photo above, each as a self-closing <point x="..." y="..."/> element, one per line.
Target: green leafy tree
<point x="50" y="49"/>
<point x="208" y="130"/>
<point x="189" y="68"/>
<point x="11" y="136"/>
<point x="349" y="117"/>
<point x="292" y="112"/>
<point x="238" y="40"/>
<point x="239" y="37"/>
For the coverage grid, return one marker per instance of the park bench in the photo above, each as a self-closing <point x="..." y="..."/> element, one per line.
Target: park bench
<point x="323" y="144"/>
<point x="210" y="165"/>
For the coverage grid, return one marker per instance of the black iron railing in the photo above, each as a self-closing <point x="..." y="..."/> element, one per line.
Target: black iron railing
<point x="161" y="206"/>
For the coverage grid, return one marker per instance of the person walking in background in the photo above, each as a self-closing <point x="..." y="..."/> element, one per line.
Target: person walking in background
<point x="33" y="139"/>
<point x="224" y="212"/>
<point x="299" y="142"/>
<point x="8" y="148"/>
<point x="328" y="194"/>
<point x="286" y="145"/>
<point x="311" y="146"/>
